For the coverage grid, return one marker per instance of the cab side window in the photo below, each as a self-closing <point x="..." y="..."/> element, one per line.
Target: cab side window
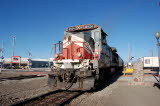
<point x="103" y="39"/>
<point x="96" y="36"/>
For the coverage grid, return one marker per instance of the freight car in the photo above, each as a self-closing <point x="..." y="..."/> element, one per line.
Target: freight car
<point x="83" y="59"/>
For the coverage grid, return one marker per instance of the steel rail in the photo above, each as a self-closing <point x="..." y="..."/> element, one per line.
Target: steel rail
<point x="54" y="98"/>
<point x="21" y="77"/>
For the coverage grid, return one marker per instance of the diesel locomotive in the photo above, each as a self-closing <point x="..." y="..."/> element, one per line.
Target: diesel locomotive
<point x="83" y="59"/>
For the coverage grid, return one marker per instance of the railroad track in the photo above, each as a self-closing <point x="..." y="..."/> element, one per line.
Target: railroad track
<point x="55" y="98"/>
<point x="21" y="77"/>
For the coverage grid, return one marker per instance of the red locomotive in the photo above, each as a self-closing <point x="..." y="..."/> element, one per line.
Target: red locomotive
<point x="83" y="58"/>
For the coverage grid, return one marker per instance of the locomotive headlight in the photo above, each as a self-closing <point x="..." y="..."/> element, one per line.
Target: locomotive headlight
<point x="79" y="54"/>
<point x="56" y="55"/>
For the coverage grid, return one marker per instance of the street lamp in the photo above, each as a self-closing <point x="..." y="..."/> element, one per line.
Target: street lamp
<point x="157" y="35"/>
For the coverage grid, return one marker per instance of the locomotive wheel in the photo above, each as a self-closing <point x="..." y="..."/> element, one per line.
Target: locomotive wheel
<point x="81" y="84"/>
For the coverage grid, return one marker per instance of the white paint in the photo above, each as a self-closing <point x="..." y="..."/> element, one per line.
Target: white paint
<point x="75" y="39"/>
<point x="69" y="60"/>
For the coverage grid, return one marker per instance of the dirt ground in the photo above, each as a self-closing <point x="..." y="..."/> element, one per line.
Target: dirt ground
<point x="121" y="94"/>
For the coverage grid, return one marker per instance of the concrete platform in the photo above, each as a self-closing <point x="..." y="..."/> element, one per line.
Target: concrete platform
<point x="121" y="93"/>
<point x="134" y="96"/>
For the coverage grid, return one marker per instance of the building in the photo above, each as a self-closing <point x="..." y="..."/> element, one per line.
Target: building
<point x="17" y="62"/>
<point x="150" y="62"/>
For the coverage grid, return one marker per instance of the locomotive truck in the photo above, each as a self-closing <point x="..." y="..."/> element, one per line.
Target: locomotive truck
<point x="83" y="59"/>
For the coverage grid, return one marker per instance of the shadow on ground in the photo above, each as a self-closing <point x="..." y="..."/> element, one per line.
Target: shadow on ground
<point x="110" y="80"/>
<point x="156" y="84"/>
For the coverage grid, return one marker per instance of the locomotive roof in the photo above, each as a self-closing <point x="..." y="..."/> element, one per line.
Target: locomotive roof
<point x="103" y="32"/>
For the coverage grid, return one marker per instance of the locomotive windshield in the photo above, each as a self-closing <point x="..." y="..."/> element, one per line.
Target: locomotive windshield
<point x="80" y="36"/>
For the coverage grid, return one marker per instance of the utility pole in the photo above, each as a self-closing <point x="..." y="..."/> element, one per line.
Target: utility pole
<point x="30" y="56"/>
<point x="1" y="51"/>
<point x="13" y="44"/>
<point x="129" y="56"/>
<point x="50" y="56"/>
<point x="129" y="52"/>
<point x="1" y="56"/>
<point x="152" y="58"/>
<point x="1" y="59"/>
<point x="157" y="35"/>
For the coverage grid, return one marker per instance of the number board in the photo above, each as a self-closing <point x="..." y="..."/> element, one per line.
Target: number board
<point x="81" y="27"/>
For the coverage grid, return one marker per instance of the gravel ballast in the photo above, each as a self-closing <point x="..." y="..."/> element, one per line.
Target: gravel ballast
<point x="12" y="91"/>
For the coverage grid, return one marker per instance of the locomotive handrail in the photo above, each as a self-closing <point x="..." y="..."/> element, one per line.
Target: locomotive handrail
<point x="73" y="41"/>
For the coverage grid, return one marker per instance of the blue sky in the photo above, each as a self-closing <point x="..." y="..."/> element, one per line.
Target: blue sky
<point x="40" y="23"/>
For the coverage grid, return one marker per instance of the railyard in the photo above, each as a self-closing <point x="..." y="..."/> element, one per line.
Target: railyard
<point x="79" y="53"/>
<point x="85" y="71"/>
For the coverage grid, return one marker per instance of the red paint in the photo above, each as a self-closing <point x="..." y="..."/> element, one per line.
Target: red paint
<point x="70" y="52"/>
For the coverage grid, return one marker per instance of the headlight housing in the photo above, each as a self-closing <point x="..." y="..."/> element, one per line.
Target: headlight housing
<point x="56" y="55"/>
<point x="79" y="54"/>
